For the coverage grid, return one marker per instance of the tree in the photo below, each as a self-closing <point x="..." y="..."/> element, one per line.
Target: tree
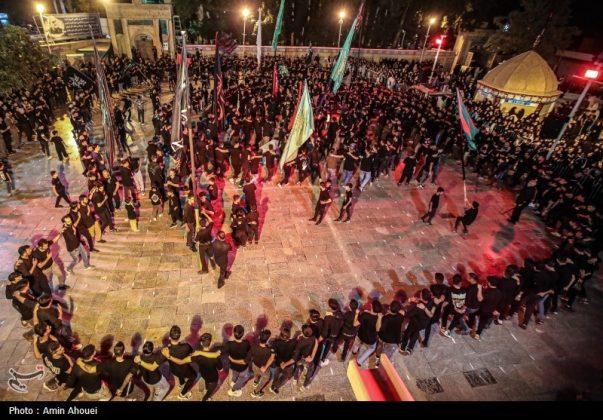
<point x="187" y="10"/>
<point x="21" y="59"/>
<point x="519" y="31"/>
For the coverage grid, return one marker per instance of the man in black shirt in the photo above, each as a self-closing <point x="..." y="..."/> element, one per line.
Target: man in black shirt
<point x="433" y="206"/>
<point x="149" y="363"/>
<point x="204" y="238"/>
<point x="189" y="221"/>
<point x="390" y="332"/>
<point x="410" y="162"/>
<point x="252" y="218"/>
<point x="368" y="323"/>
<point x="323" y="202"/>
<point x="86" y="377"/>
<point x="58" y="189"/>
<point x="524" y="198"/>
<point x="489" y="306"/>
<point x="439" y="291"/>
<point x="221" y="248"/>
<point x="185" y="373"/>
<point x="44" y="256"/>
<point x="249" y="190"/>
<point x="468" y="218"/>
<point x="284" y="363"/>
<point x="209" y="365"/>
<point x="59" y="364"/>
<point x="456" y="307"/>
<point x="348" y="330"/>
<point x="18" y="291"/>
<point x="59" y="145"/>
<point x="346" y="206"/>
<point x="304" y="354"/>
<point x="331" y="327"/>
<point x="237" y="351"/>
<point x="419" y="316"/>
<point x="262" y="357"/>
<point x="119" y="372"/>
<point x="28" y="266"/>
<point x="74" y="245"/>
<point x="127" y="180"/>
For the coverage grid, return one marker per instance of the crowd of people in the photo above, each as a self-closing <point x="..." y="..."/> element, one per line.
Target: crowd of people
<point x="375" y="124"/>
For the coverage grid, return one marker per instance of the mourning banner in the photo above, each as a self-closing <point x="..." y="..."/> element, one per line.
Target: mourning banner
<point x="77" y="80"/>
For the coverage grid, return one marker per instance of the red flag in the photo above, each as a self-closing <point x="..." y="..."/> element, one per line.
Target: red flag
<point x="219" y="102"/>
<point x="299" y="95"/>
<point x="274" y="82"/>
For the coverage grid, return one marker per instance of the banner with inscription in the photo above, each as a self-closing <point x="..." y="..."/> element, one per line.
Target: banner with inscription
<point x="72" y="26"/>
<point x="77" y="80"/>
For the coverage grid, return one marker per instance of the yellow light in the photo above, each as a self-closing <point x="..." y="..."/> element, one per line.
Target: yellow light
<point x="40" y="8"/>
<point x="245" y="12"/>
<point x="341" y="14"/>
<point x="432" y="21"/>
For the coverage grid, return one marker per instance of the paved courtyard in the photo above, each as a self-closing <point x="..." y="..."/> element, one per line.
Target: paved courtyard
<point x="145" y="282"/>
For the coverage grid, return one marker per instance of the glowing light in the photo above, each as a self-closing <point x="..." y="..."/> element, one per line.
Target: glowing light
<point x="341" y="14"/>
<point x="245" y="12"/>
<point x="40" y="8"/>
<point x="591" y="74"/>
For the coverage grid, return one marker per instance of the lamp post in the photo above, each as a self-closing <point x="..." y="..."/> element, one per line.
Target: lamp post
<point x="431" y="22"/>
<point x="403" y="36"/>
<point x="439" y="41"/>
<point x="341" y="17"/>
<point x="590" y="75"/>
<point x="245" y="13"/>
<point x="40" y="9"/>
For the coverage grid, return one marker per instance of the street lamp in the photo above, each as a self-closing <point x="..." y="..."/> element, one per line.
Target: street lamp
<point x="439" y="41"/>
<point x="431" y="22"/>
<point x="591" y="76"/>
<point x="245" y="13"/>
<point x="403" y="36"/>
<point x="341" y="17"/>
<point x="40" y="10"/>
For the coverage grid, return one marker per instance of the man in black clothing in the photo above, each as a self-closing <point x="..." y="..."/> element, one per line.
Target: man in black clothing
<point x="249" y="191"/>
<point x="440" y="293"/>
<point x="323" y="202"/>
<point x="185" y="373"/>
<point x="58" y="189"/>
<point x="59" y="364"/>
<point x="221" y="248"/>
<point x="348" y="330"/>
<point x="86" y="377"/>
<point x="489" y="306"/>
<point x="119" y="372"/>
<point x="209" y="365"/>
<point x="331" y="327"/>
<point x="18" y="291"/>
<point x="433" y="206"/>
<point x="28" y="266"/>
<point x="419" y="317"/>
<point x="468" y="218"/>
<point x="525" y="197"/>
<point x="410" y="162"/>
<point x="284" y="363"/>
<point x="59" y="145"/>
<point x="390" y="332"/>
<point x="149" y="363"/>
<point x="188" y="217"/>
<point x="368" y="323"/>
<point x="252" y="218"/>
<point x="127" y="180"/>
<point x="262" y="356"/>
<point x="567" y="271"/>
<point x="305" y="351"/>
<point x="456" y="307"/>
<point x="204" y="238"/>
<point x="112" y="188"/>
<point x="237" y="351"/>
<point x="346" y="206"/>
<point x="544" y="280"/>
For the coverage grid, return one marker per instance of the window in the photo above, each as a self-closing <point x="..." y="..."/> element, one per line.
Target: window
<point x="119" y="30"/>
<point x="163" y="27"/>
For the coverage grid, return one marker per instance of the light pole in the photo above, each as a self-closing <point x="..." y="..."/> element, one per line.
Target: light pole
<point x="431" y="22"/>
<point x="40" y="9"/>
<point x="439" y="41"/>
<point x="245" y="15"/>
<point x="403" y="36"/>
<point x="341" y="17"/>
<point x="590" y="75"/>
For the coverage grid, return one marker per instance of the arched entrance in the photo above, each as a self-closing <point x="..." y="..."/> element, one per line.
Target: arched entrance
<point x="144" y="45"/>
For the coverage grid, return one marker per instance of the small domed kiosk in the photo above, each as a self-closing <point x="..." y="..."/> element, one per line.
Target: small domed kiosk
<point x="525" y="82"/>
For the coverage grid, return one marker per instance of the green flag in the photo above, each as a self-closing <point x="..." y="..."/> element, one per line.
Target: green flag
<point x="302" y="129"/>
<point x="342" y="60"/>
<point x="279" y="26"/>
<point x="282" y="70"/>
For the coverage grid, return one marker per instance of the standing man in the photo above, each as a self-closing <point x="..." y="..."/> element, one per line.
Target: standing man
<point x="127" y="180"/>
<point x="74" y="245"/>
<point x="323" y="202"/>
<point x="59" y="145"/>
<point x="237" y="351"/>
<point x="44" y="256"/>
<point x="119" y="370"/>
<point x="368" y="323"/>
<point x="262" y="357"/>
<point x="525" y="197"/>
<point x="204" y="238"/>
<point x="346" y="206"/>
<point x="221" y="248"/>
<point x="433" y="206"/>
<point x="184" y="372"/>
<point x="189" y="222"/>
<point x="284" y="363"/>
<point x="488" y="307"/>
<point x="58" y="189"/>
<point x="468" y="218"/>
<point x="140" y="109"/>
<point x="410" y="162"/>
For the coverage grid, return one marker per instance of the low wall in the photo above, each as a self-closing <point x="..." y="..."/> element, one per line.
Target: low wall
<point x="445" y="58"/>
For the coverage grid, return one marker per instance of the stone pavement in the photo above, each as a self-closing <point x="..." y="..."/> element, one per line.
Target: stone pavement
<point x="145" y="282"/>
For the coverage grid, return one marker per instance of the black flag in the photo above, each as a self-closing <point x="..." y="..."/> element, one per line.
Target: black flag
<point x="77" y="80"/>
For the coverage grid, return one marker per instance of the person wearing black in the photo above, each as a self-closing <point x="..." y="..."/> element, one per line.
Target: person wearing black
<point x="58" y="189"/>
<point x="323" y="202"/>
<point x="249" y="190"/>
<point x="390" y="333"/>
<point x="188" y="217"/>
<point x="74" y="245"/>
<point x="434" y="203"/>
<point x="440" y="292"/>
<point x="566" y="270"/>
<point x="349" y="165"/>
<point x="419" y="316"/>
<point x="59" y="364"/>
<point x="45" y="262"/>
<point x="284" y="363"/>
<point x="127" y="180"/>
<point x="525" y="197"/>
<point x="368" y="323"/>
<point x="204" y="238"/>
<point x="185" y="373"/>
<point x="346" y="206"/>
<point x="489" y="306"/>
<point x="473" y="299"/>
<point x="538" y="293"/>
<point x="149" y="363"/>
<point x="17" y="290"/>
<point x="239" y="228"/>
<point x="262" y="357"/>
<point x="100" y="201"/>
<point x="209" y="364"/>
<point x="348" y="330"/>
<point x="467" y="218"/>
<point x="119" y="372"/>
<point x="235" y="161"/>
<point x="221" y="248"/>
<point x="331" y="328"/>
<point x="112" y="187"/>
<point x="305" y="351"/>
<point x="509" y="286"/>
<point x="237" y="351"/>
<point x="410" y="162"/>
<point x="86" y="377"/>
<point x="59" y="145"/>
<point x="6" y="135"/>
<point x="88" y="219"/>
<point x="174" y="209"/>
<point x="270" y="162"/>
<point x="28" y="266"/>
<point x="456" y="307"/>
<point x="252" y="219"/>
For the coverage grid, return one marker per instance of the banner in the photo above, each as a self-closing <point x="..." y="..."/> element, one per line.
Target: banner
<point x="302" y="129"/>
<point x="75" y="79"/>
<point x="72" y="26"/>
<point x="279" y="26"/>
<point x="340" y="66"/>
<point x="259" y="38"/>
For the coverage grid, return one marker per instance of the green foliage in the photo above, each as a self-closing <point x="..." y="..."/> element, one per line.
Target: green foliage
<point x="21" y="59"/>
<point x="521" y="28"/>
